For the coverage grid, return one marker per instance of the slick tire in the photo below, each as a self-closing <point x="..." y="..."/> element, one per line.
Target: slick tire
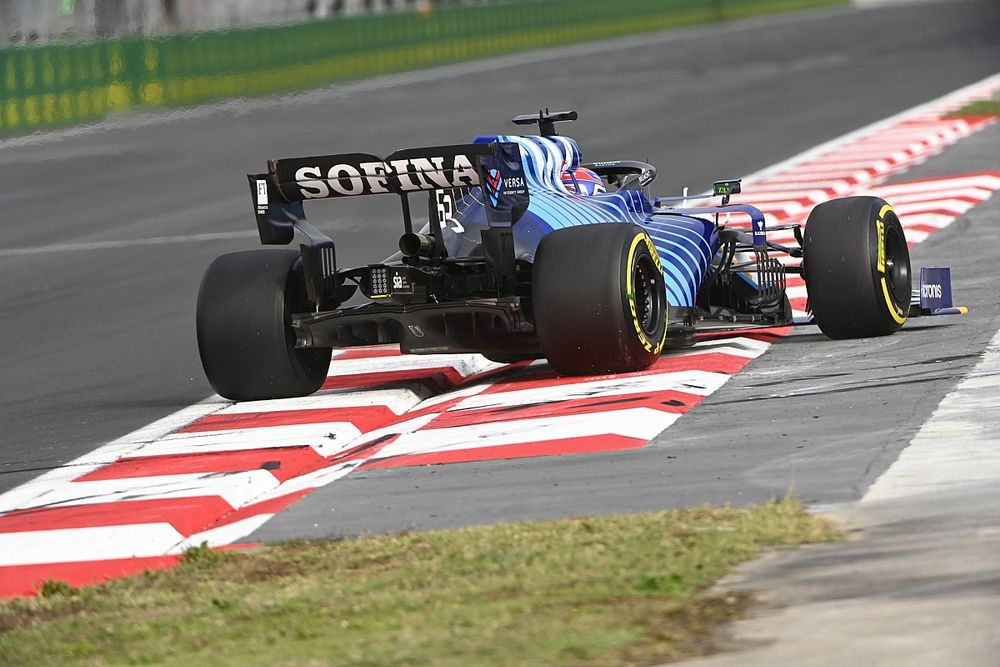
<point x="245" y="338"/>
<point x="856" y="267"/>
<point x="600" y="302"/>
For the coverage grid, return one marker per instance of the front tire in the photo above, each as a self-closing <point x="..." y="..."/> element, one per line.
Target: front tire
<point x="245" y="337"/>
<point x="600" y="302"/>
<point x="856" y="268"/>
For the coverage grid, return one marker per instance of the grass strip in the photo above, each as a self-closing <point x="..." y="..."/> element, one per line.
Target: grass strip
<point x="628" y="589"/>
<point x="990" y="107"/>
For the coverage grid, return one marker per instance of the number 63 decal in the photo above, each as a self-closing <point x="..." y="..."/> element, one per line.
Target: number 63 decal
<point x="446" y="210"/>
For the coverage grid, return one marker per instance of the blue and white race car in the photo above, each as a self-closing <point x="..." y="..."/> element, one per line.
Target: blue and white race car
<point x="528" y="252"/>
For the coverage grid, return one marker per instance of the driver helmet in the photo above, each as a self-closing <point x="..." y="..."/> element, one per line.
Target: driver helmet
<point x="583" y="181"/>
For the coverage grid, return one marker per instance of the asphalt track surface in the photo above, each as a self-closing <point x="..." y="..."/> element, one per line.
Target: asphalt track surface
<point x="103" y="242"/>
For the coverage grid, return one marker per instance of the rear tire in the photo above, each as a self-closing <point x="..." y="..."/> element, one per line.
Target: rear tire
<point x="856" y="268"/>
<point x="600" y="302"/>
<point x="245" y="337"/>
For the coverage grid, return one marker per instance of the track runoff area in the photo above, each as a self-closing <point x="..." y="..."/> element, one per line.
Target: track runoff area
<point x="216" y="471"/>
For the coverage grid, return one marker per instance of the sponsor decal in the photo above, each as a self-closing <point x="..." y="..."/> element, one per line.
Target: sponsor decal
<point x="493" y="182"/>
<point x="445" y="205"/>
<point x="505" y="190"/>
<point x="316" y="181"/>
<point x="930" y="291"/>
<point x="446" y="211"/>
<point x="261" y="197"/>
<point x="401" y="283"/>
<point x="880" y="234"/>
<point x="759" y="233"/>
<point x="935" y="288"/>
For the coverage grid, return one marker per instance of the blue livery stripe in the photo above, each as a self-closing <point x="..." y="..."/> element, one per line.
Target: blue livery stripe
<point x="685" y="244"/>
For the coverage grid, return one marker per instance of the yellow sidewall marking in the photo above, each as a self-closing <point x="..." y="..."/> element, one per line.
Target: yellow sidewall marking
<point x="650" y="346"/>
<point x="880" y="235"/>
<point x="888" y="302"/>
<point x="900" y="319"/>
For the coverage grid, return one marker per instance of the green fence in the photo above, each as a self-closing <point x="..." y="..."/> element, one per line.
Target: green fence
<point x="49" y="85"/>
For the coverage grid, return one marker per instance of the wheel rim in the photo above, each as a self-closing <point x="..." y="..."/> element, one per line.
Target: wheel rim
<point x="649" y="301"/>
<point x="897" y="265"/>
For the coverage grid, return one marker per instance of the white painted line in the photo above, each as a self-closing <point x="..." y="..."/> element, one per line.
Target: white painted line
<point x="985" y="85"/>
<point x="796" y="291"/>
<point x="959" y="446"/>
<point x="236" y="488"/>
<point x="815" y="194"/>
<point x="638" y="423"/>
<point x="984" y="181"/>
<point x="826" y="167"/>
<point x="464" y="364"/>
<point x="125" y="243"/>
<point x="312" y="480"/>
<point x="838" y="187"/>
<point x="870" y="149"/>
<point x="784" y="209"/>
<point x="955" y="206"/>
<point x="68" y="545"/>
<point x="743" y="346"/>
<point x="326" y="438"/>
<point x="915" y="236"/>
<point x="938" y="220"/>
<point x="397" y="400"/>
<point x="857" y="175"/>
<point x="932" y="194"/>
<point x="222" y="535"/>
<point x="699" y="383"/>
<point x="446" y="397"/>
<point x="23" y="495"/>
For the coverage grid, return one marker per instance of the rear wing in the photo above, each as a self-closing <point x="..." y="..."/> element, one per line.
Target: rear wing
<point x="352" y="174"/>
<point x="278" y="194"/>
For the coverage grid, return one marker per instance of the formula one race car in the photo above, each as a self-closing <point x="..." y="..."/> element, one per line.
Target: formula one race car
<point x="529" y="253"/>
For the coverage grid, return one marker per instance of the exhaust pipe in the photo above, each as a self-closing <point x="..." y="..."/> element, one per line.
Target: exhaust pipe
<point x="416" y="245"/>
